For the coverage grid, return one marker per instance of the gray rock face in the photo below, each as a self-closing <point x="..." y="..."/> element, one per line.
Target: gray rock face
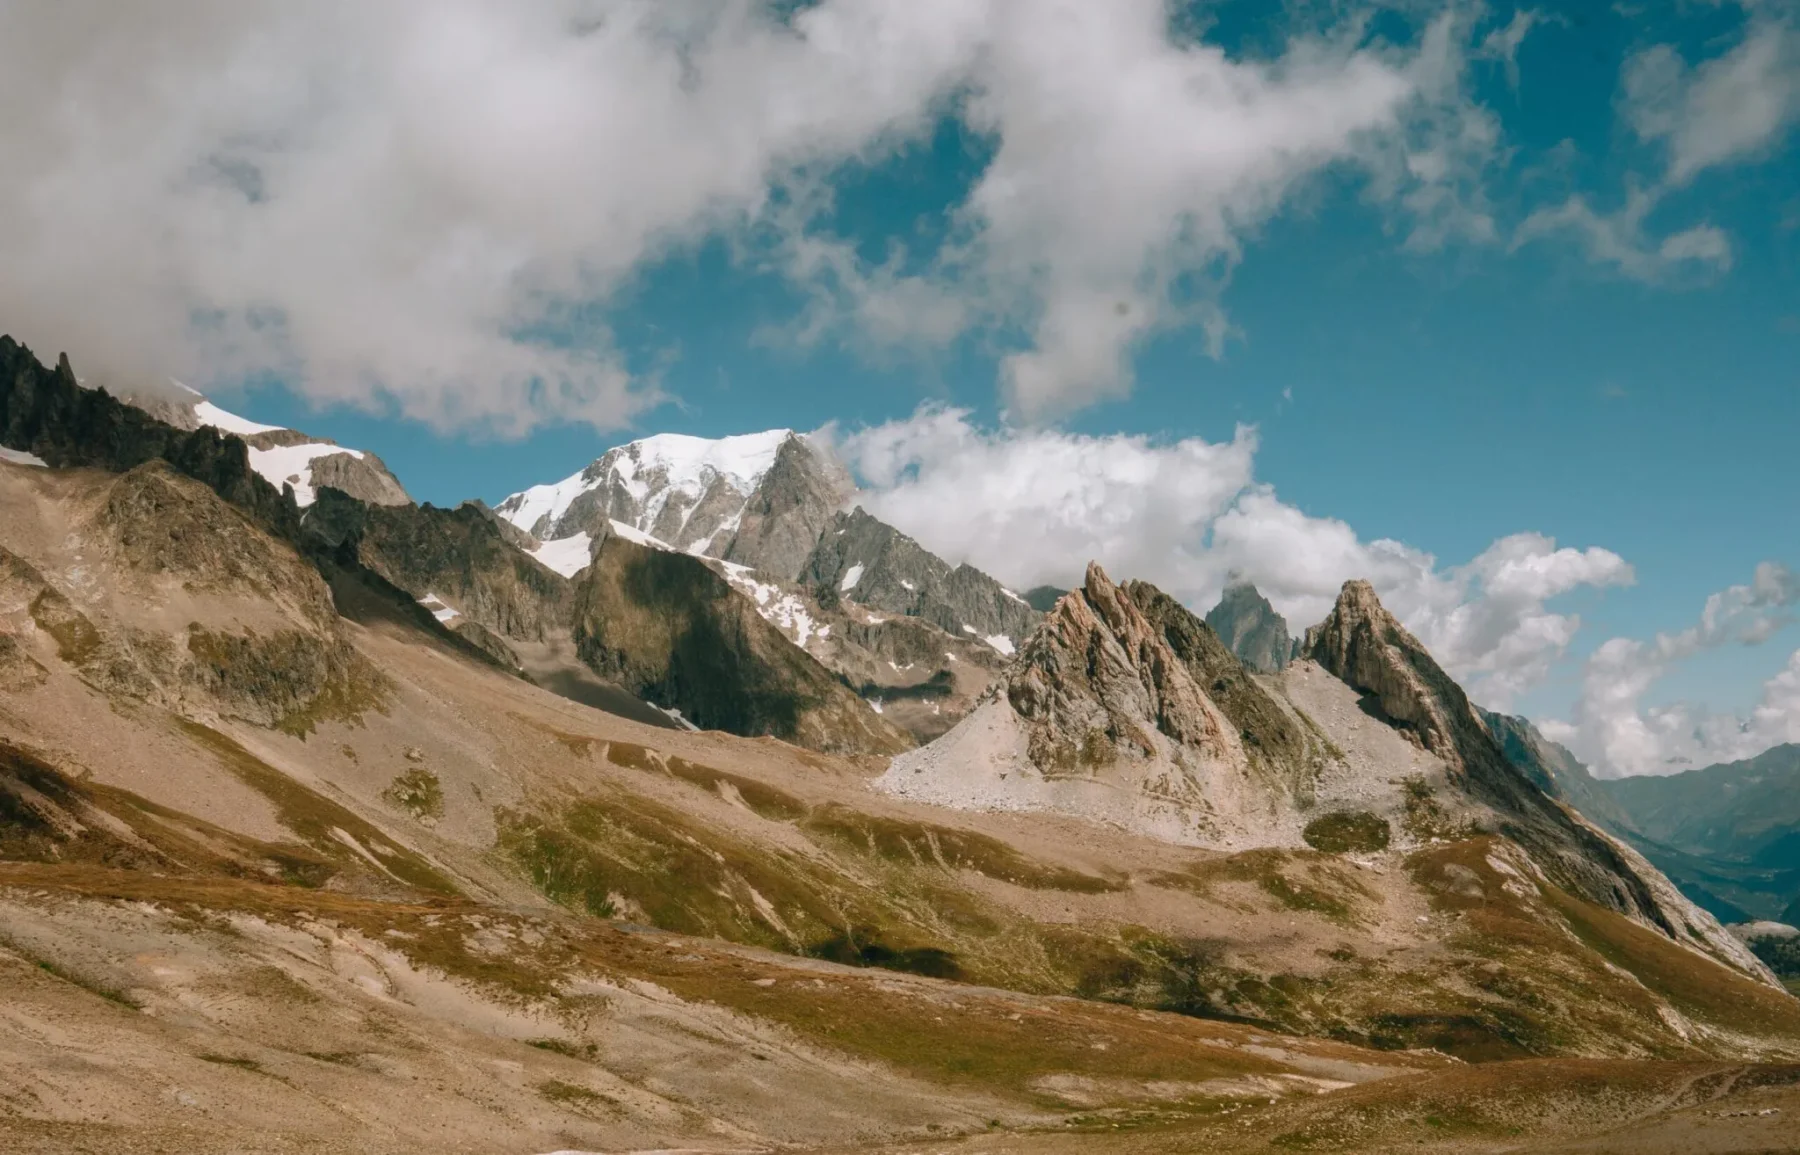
<point x="1099" y="680"/>
<point x="790" y="507"/>
<point x="1250" y="627"/>
<point x="863" y="559"/>
<point x="459" y="554"/>
<point x="759" y="500"/>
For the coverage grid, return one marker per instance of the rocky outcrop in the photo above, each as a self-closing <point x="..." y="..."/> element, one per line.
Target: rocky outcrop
<point x="1249" y="626"/>
<point x="1273" y="738"/>
<point x="1098" y="683"/>
<point x="155" y="522"/>
<point x="1100" y="717"/>
<point x="1362" y="644"/>
<point x="459" y="555"/>
<point x="47" y="413"/>
<point x="665" y="627"/>
<point x="863" y="559"/>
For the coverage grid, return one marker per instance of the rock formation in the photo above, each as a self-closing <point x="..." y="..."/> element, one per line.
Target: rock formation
<point x="1100" y="717"/>
<point x="1249" y="626"/>
<point x="460" y="555"/>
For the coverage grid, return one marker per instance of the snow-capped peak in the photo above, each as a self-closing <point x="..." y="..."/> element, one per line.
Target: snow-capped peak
<point x="289" y="460"/>
<point x="655" y="485"/>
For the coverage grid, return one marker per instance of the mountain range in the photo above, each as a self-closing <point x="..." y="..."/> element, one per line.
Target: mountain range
<point x="685" y="805"/>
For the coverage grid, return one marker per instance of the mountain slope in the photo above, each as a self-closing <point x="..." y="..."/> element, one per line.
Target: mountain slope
<point x="1727" y="835"/>
<point x="668" y="628"/>
<point x="242" y="911"/>
<point x="1362" y="644"/>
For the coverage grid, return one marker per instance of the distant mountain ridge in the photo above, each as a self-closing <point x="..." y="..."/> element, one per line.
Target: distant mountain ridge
<point x="1728" y="835"/>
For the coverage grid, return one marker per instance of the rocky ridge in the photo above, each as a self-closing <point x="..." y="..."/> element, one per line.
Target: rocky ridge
<point x="1099" y="716"/>
<point x="863" y="559"/>
<point x="1364" y="646"/>
<point x="284" y="457"/>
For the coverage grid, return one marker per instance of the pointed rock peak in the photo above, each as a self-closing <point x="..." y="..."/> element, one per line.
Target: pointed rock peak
<point x="1363" y="644"/>
<point x="1359" y="614"/>
<point x="1112" y="606"/>
<point x="1250" y="628"/>
<point x="1358" y="598"/>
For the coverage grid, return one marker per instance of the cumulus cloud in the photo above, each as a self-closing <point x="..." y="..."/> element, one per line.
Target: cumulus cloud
<point x="1034" y="506"/>
<point x="1617" y="735"/>
<point x="402" y="199"/>
<point x="1502" y="42"/>
<point x="405" y="204"/>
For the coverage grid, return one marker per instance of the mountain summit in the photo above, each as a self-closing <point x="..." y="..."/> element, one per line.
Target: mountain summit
<point x="759" y="499"/>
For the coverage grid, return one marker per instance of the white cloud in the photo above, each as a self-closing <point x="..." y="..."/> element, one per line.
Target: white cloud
<point x="1034" y="506"/>
<point x="1620" y="240"/>
<point x="397" y="196"/>
<point x="1724" y="109"/>
<point x="403" y="203"/>
<point x="1611" y="729"/>
<point x="1501" y="44"/>
<point x="1729" y="108"/>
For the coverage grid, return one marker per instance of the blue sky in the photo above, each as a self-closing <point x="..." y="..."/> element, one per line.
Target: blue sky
<point x="1449" y="326"/>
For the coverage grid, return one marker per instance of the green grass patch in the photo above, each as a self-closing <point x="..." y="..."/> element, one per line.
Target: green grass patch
<point x="767" y="801"/>
<point x="418" y="792"/>
<point x="574" y="1096"/>
<point x="1348" y="832"/>
<point x="923" y="844"/>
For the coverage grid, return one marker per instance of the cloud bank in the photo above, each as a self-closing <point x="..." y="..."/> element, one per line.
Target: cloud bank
<point x="399" y="205"/>
<point x="1033" y="506"/>
<point x="1617" y="735"/>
